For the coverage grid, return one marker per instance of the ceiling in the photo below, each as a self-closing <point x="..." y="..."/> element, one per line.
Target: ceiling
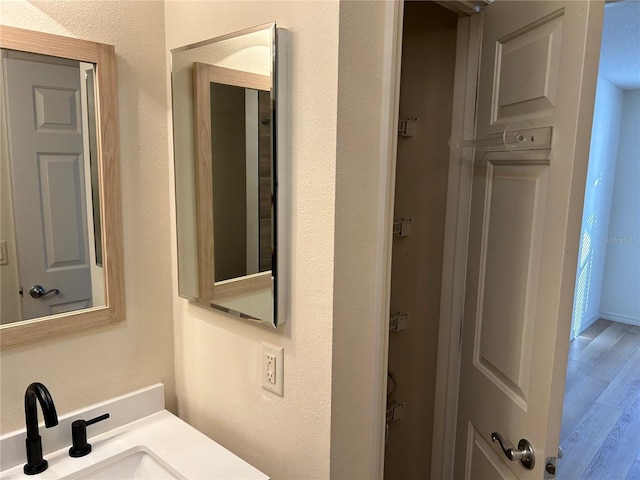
<point x="620" y="54"/>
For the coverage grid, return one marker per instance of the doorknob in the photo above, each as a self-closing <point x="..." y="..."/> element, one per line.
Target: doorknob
<point x="38" y="291"/>
<point x="524" y="453"/>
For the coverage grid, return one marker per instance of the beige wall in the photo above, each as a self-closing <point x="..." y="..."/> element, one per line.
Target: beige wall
<point x="359" y="316"/>
<point x="86" y="368"/>
<point x="324" y="425"/>
<point x="217" y="356"/>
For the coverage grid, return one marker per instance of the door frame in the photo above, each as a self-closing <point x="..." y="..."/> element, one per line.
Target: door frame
<point x="454" y="259"/>
<point x="392" y="61"/>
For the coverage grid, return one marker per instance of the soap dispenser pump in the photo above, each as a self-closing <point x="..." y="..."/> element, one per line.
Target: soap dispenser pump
<point x="80" y="447"/>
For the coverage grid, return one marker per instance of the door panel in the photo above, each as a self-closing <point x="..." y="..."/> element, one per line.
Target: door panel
<point x="526" y="70"/>
<point x="537" y="68"/>
<point x="56" y="109"/>
<point x="483" y="461"/>
<point x="63" y="211"/>
<point x="511" y="243"/>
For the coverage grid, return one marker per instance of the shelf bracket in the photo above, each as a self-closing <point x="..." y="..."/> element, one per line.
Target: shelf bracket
<point x="402" y="228"/>
<point x="407" y="127"/>
<point x="398" y="321"/>
<point x="395" y="411"/>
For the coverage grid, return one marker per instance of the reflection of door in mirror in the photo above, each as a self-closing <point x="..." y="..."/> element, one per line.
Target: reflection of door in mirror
<point x="241" y="171"/>
<point x="48" y="222"/>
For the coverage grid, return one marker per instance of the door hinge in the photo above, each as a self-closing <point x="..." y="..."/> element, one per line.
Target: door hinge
<point x="398" y="321"/>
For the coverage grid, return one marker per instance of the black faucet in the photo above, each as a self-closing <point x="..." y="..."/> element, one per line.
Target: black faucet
<point x="37" y="391"/>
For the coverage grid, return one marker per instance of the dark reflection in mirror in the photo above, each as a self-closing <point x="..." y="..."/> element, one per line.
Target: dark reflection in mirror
<point x="241" y="173"/>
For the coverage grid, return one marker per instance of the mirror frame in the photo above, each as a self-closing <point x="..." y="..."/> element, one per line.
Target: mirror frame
<point x="103" y="56"/>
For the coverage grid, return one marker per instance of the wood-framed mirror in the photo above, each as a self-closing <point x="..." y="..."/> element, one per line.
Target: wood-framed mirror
<point x="62" y="253"/>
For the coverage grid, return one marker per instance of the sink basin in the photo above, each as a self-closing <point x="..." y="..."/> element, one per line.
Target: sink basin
<point x="135" y="463"/>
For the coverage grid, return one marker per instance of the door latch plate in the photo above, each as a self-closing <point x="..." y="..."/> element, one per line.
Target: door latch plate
<point x="550" y="467"/>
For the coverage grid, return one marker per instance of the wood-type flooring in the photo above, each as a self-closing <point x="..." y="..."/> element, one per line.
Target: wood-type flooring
<point x="600" y="433"/>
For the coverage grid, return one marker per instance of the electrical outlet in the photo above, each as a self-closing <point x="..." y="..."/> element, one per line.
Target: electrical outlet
<point x="271" y="368"/>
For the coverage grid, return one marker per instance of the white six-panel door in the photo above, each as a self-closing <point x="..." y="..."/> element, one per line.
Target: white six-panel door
<point x="46" y="151"/>
<point x="538" y="65"/>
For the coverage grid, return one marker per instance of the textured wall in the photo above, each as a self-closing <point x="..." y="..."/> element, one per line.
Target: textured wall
<point x="89" y="367"/>
<point x="217" y="356"/>
<point x="325" y="424"/>
<point x="359" y="229"/>
<point x="621" y="281"/>
<point x="597" y="205"/>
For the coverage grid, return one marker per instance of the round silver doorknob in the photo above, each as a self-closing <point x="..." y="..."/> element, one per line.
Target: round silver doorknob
<point x="38" y="291"/>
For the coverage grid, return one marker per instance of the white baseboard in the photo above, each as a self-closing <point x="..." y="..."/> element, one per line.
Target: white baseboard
<point x="615" y="317"/>
<point x="591" y="321"/>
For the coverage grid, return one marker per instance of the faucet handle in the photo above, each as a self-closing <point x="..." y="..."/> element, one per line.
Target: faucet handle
<point x="80" y="447"/>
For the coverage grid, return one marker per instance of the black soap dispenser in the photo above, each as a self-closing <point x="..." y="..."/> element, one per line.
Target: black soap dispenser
<point x="80" y="447"/>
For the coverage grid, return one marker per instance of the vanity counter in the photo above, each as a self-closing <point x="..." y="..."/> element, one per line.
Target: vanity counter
<point x="166" y="442"/>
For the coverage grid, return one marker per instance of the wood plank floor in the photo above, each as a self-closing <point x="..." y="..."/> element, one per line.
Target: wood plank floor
<point x="600" y="433"/>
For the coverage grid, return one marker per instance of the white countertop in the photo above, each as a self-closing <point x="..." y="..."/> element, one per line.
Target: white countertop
<point x="184" y="449"/>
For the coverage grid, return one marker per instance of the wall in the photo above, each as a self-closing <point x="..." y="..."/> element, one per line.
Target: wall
<point x="621" y="281"/>
<point x="326" y="425"/>
<point x="597" y="204"/>
<point x="217" y="356"/>
<point x="426" y="92"/>
<point x="89" y="367"/>
<point x="360" y="311"/>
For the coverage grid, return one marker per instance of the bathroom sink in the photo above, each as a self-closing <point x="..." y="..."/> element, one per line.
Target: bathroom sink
<point x="136" y="463"/>
<point x="139" y="440"/>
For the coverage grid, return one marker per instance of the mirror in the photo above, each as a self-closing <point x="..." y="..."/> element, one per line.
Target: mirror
<point x="60" y="233"/>
<point x="228" y="166"/>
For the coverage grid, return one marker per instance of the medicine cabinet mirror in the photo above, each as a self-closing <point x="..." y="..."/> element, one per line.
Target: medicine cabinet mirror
<point x="61" y="265"/>
<point x="227" y="122"/>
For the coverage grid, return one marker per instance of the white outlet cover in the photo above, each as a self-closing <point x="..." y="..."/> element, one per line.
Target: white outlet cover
<point x="276" y="387"/>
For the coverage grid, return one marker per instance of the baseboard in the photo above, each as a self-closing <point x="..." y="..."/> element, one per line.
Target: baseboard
<point x="591" y="321"/>
<point x="614" y="317"/>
